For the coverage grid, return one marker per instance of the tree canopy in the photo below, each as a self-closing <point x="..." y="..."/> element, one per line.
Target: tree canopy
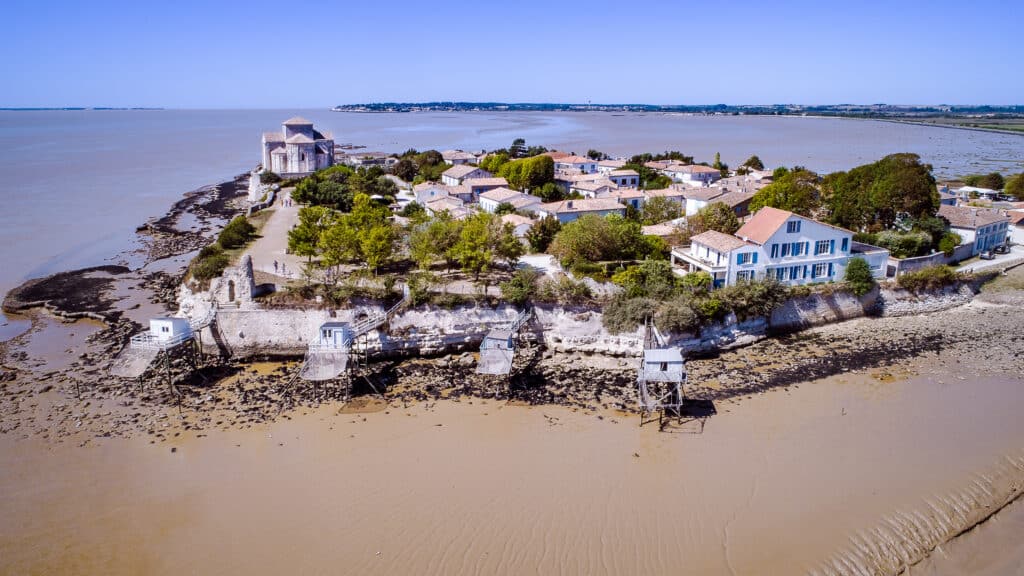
<point x="754" y="163"/>
<point x="794" y="190"/>
<point x="528" y="173"/>
<point x="1015" y="186"/>
<point x="660" y="209"/>
<point x="874" y="196"/>
<point x="593" y="238"/>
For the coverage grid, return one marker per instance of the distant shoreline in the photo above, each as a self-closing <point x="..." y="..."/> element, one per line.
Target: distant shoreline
<point x="76" y="109"/>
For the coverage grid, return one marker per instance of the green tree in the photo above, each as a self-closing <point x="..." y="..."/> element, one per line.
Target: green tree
<point x="992" y="181"/>
<point x="339" y="244"/>
<point x="795" y="191"/>
<point x="528" y="173"/>
<point x="378" y="245"/>
<point x="506" y="245"/>
<point x="754" y="163"/>
<point x="858" y="276"/>
<point x="651" y="278"/>
<point x="660" y="209"/>
<point x="493" y="162"/>
<point x="542" y="233"/>
<point x="505" y="208"/>
<point x="406" y="169"/>
<point x="473" y="250"/>
<point x="718" y="161"/>
<point x="1015" y="186"/>
<point x="596" y="155"/>
<point x="716" y="216"/>
<point x="304" y="239"/>
<point x="549" y="192"/>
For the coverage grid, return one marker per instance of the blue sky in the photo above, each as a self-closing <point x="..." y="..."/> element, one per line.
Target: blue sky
<point x="316" y="53"/>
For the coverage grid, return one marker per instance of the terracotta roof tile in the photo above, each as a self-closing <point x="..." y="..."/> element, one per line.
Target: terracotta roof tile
<point x="763" y="224"/>
<point x="718" y="241"/>
<point x="969" y="217"/>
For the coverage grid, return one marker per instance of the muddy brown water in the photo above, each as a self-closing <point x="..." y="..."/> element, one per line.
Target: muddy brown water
<point x="774" y="484"/>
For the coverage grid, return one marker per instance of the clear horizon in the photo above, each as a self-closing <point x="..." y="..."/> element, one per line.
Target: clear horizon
<point x="239" y="55"/>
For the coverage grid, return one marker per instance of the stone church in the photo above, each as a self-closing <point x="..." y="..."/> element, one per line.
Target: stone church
<point x="298" y="150"/>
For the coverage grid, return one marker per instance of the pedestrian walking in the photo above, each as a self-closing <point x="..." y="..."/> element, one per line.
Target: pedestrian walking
<point x="275" y="266"/>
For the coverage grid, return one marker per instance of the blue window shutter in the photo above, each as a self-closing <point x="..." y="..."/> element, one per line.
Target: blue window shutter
<point x="830" y="269"/>
<point x="805" y="271"/>
<point x="807" y="248"/>
<point x="832" y="246"/>
<point x="846" y="244"/>
<point x="739" y="258"/>
<point x="754" y="258"/>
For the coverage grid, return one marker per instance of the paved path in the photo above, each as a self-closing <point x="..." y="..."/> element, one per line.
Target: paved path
<point x="270" y="246"/>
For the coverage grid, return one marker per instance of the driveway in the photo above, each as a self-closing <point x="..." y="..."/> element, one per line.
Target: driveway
<point x="1015" y="255"/>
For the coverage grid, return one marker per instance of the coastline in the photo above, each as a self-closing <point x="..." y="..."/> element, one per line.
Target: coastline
<point x="73" y="405"/>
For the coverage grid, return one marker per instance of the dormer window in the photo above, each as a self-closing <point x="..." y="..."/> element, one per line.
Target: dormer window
<point x="793" y="227"/>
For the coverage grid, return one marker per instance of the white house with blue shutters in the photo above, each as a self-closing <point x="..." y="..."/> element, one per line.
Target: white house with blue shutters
<point x="773" y="243"/>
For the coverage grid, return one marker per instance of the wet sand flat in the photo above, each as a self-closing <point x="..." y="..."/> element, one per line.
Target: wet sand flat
<point x="774" y="484"/>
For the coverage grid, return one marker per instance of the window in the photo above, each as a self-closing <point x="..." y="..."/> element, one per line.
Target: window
<point x="797" y="248"/>
<point x="664" y="366"/>
<point x="821" y="247"/>
<point x="744" y="275"/>
<point x="743" y="258"/>
<point x="775" y="251"/>
<point x="846" y="245"/>
<point x="785" y="250"/>
<point x="780" y="273"/>
<point x="794" y="272"/>
<point x="165" y="329"/>
<point x="819" y="270"/>
<point x="793" y="227"/>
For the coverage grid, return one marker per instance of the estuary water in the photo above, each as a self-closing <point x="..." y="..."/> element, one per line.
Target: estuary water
<point x="77" y="183"/>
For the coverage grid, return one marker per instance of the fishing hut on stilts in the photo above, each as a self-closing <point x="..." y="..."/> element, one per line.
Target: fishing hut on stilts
<point x="660" y="379"/>
<point x="167" y="339"/>
<point x="498" y="349"/>
<point x="340" y="348"/>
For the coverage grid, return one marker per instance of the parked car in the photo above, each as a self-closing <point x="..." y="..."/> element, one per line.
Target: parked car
<point x="1002" y="249"/>
<point x="987" y="255"/>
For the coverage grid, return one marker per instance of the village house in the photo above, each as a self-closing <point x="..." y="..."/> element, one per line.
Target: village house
<point x="576" y="164"/>
<point x="520" y="225"/>
<point x="451" y="204"/>
<point x="738" y="201"/>
<point x="491" y="199"/>
<point x="298" y="150"/>
<point x="429" y="191"/>
<point x="985" y="227"/>
<point x="592" y="188"/>
<point x="478" y="186"/>
<point x="699" y="198"/>
<point x="568" y="210"/>
<point x="458" y="157"/>
<point x="773" y="243"/>
<point x="693" y="175"/>
<point x="967" y="193"/>
<point x="626" y="197"/>
<point x="1016" y="228"/>
<point x="607" y="166"/>
<point x="675" y="194"/>
<point x="455" y="175"/>
<point x="625" y="178"/>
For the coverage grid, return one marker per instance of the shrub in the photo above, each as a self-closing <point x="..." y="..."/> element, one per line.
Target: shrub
<point x="858" y="276"/>
<point x="210" y="266"/>
<point x="949" y="242"/>
<point x="930" y="278"/>
<point x="624" y="314"/>
<point x="521" y="287"/>
<point x="237" y="233"/>
<point x="269" y="178"/>
<point x="563" y="289"/>
<point x="752" y="299"/>
<point x="677" y="315"/>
